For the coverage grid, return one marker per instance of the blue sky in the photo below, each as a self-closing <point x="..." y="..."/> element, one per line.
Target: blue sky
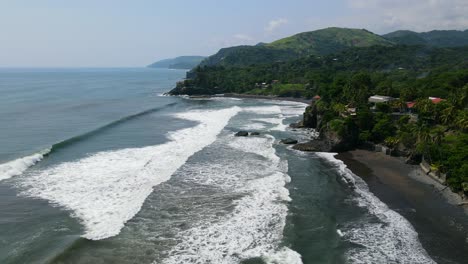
<point x="125" y="33"/>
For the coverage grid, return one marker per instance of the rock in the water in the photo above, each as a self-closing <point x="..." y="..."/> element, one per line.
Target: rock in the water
<point x="299" y="124"/>
<point x="242" y="134"/>
<point x="305" y="147"/>
<point x="254" y="133"/>
<point x="288" y="141"/>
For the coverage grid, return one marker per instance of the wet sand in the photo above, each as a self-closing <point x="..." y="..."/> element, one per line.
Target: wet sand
<point x="442" y="225"/>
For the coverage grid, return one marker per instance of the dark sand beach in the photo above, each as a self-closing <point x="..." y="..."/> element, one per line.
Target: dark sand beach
<point x="441" y="223"/>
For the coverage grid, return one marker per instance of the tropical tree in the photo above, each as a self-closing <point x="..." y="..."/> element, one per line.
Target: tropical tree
<point x="461" y="120"/>
<point x="448" y="115"/>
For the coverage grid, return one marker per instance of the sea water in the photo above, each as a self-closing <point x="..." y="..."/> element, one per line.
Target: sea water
<point x="96" y="166"/>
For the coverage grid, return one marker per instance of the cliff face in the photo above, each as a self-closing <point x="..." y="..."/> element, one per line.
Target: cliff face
<point x="310" y="117"/>
<point x="329" y="140"/>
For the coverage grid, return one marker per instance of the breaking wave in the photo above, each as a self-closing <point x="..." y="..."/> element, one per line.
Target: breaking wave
<point x="108" y="188"/>
<point x="385" y="236"/>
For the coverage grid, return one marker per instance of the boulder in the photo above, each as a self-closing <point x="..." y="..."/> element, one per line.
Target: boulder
<point x="254" y="133"/>
<point x="308" y="147"/>
<point x="299" y="124"/>
<point x="288" y="141"/>
<point x="242" y="134"/>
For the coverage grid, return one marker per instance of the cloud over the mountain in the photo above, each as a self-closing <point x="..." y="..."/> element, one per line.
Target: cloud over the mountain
<point x="274" y="24"/>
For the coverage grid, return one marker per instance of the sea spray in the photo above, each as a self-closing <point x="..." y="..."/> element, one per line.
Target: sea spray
<point x="254" y="227"/>
<point x="107" y="189"/>
<point x="18" y="166"/>
<point x="391" y="239"/>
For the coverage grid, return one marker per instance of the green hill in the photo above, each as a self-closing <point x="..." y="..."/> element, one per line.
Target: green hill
<point x="182" y="62"/>
<point x="329" y="40"/>
<point x="436" y="38"/>
<point x="319" y="42"/>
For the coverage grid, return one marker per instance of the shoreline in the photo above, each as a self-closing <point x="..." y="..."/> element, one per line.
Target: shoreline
<point x="251" y="96"/>
<point x="442" y="225"/>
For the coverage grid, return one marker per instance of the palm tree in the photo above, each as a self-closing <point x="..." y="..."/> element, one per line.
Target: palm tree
<point x="400" y="104"/>
<point x="461" y="120"/>
<point x="423" y="138"/>
<point x="424" y="106"/>
<point x="422" y="133"/>
<point x="448" y="115"/>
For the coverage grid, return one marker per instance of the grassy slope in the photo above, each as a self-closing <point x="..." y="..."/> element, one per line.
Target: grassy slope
<point x="319" y="42"/>
<point x="329" y="40"/>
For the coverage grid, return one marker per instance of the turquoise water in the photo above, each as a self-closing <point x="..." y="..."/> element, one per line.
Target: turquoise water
<point x="97" y="167"/>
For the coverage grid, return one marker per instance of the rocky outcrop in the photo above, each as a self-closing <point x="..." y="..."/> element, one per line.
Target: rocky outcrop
<point x="242" y="134"/>
<point x="288" y="141"/>
<point x="310" y="117"/>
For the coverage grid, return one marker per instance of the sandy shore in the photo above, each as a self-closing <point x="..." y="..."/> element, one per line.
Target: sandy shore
<point x="433" y="211"/>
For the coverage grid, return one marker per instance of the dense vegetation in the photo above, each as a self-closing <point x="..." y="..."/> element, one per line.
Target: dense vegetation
<point x="436" y="38"/>
<point x="345" y="67"/>
<point x="347" y="79"/>
<point x="412" y="71"/>
<point x="319" y="42"/>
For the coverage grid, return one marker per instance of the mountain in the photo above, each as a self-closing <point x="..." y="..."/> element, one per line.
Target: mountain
<point x="392" y="68"/>
<point x="319" y="42"/>
<point x="436" y="38"/>
<point x="182" y="62"/>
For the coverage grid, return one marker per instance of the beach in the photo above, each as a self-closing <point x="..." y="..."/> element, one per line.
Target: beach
<point x="441" y="223"/>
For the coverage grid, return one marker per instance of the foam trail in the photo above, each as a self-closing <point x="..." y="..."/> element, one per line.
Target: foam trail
<point x="254" y="228"/>
<point x="18" y="166"/>
<point x="392" y="239"/>
<point x="107" y="189"/>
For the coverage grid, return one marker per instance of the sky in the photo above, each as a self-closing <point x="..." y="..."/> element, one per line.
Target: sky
<point x="134" y="33"/>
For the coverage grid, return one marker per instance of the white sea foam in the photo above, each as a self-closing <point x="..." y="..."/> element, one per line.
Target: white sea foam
<point x="278" y="122"/>
<point x="281" y="111"/>
<point x="283" y="256"/>
<point x="107" y="189"/>
<point x="293" y="109"/>
<point x="264" y="110"/>
<point x="253" y="126"/>
<point x="18" y="166"/>
<point x="254" y="228"/>
<point x="392" y="239"/>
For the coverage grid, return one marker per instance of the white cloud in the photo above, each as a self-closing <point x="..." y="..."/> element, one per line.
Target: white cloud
<point x="418" y="15"/>
<point x="275" y="24"/>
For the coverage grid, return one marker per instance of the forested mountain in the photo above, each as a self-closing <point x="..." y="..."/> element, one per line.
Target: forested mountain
<point x="436" y="38"/>
<point x="319" y="42"/>
<point x="413" y="70"/>
<point x="345" y="80"/>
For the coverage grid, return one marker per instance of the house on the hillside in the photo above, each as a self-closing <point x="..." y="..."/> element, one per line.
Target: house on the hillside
<point x="379" y="99"/>
<point x="410" y="107"/>
<point x="435" y="100"/>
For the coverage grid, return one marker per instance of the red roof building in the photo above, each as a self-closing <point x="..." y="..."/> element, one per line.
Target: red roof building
<point x="410" y="104"/>
<point x="436" y="100"/>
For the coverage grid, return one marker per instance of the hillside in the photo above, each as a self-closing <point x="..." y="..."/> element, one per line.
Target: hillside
<point x="319" y="42"/>
<point x="436" y="38"/>
<point x="345" y="80"/>
<point x="182" y="62"/>
<point x="329" y="40"/>
<point x="402" y="66"/>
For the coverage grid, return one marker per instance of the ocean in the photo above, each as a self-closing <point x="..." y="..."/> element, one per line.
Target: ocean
<point x="97" y="166"/>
